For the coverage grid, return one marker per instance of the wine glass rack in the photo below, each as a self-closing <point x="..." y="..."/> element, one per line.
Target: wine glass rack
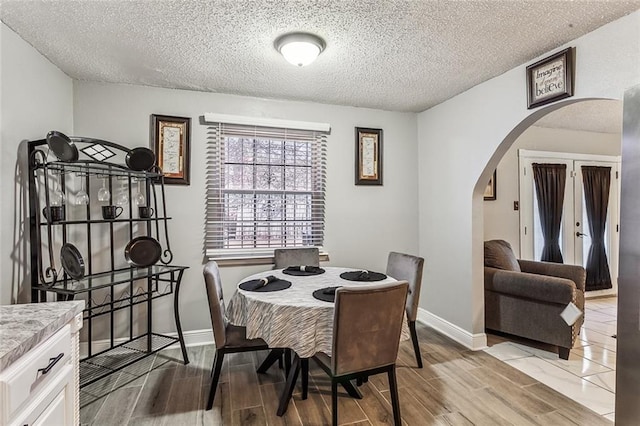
<point x="115" y="292"/>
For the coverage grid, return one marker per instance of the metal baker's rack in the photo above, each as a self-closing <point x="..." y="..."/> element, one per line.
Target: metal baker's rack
<point x="113" y="289"/>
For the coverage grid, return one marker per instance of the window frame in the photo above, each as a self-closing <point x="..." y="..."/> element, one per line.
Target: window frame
<point x="223" y="126"/>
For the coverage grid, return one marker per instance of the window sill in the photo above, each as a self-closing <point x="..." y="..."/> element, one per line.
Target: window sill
<point x="248" y="260"/>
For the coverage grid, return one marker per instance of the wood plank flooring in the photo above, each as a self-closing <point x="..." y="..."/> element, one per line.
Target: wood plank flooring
<point x="455" y="387"/>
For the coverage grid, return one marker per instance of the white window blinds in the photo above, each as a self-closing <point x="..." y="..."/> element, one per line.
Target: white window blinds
<point x="265" y="189"/>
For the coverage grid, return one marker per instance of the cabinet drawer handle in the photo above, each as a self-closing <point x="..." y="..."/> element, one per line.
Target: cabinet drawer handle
<point x="52" y="362"/>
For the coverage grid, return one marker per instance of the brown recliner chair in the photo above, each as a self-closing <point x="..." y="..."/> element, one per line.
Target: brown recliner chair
<point x="525" y="298"/>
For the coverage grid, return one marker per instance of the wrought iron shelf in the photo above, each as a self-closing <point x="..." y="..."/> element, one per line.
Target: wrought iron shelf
<point x="97" y="168"/>
<point x="109" y="279"/>
<point x="122" y="355"/>
<point x="106" y="307"/>
<point x="126" y="291"/>
<point x="91" y="221"/>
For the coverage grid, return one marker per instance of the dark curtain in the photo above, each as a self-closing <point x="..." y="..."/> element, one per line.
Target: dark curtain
<point x="596" y="182"/>
<point x="549" y="180"/>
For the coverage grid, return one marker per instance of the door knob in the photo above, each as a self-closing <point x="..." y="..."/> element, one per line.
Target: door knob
<point x="580" y="234"/>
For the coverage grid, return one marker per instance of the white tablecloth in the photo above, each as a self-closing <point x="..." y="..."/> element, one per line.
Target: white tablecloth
<point x="293" y="318"/>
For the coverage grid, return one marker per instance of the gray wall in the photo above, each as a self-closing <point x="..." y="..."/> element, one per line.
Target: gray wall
<point x="461" y="142"/>
<point x="500" y="220"/>
<point x="362" y="223"/>
<point x="36" y="98"/>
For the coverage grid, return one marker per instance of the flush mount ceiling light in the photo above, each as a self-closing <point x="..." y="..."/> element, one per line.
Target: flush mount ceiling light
<point x="300" y="48"/>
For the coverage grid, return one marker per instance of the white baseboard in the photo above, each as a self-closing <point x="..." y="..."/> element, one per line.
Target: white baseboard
<point x="205" y="337"/>
<point x="191" y="338"/>
<point x="595" y="294"/>
<point x="474" y="342"/>
<point x="194" y="338"/>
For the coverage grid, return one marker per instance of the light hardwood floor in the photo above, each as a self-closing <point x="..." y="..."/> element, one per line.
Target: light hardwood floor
<point x="455" y="387"/>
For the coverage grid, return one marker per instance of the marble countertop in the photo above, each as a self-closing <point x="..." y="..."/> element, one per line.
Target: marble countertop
<point x="23" y="326"/>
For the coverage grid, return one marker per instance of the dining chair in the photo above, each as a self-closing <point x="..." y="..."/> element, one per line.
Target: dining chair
<point x="307" y="256"/>
<point x="228" y="337"/>
<point x="283" y="258"/>
<point x="409" y="268"/>
<point x="367" y="324"/>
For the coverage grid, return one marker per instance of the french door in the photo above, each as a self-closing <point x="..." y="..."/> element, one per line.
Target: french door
<point x="575" y="238"/>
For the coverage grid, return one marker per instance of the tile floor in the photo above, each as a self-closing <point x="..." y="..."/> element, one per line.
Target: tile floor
<point x="588" y="376"/>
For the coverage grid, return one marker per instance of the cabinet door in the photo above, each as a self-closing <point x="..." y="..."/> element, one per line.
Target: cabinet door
<point x="55" y="413"/>
<point x="53" y="405"/>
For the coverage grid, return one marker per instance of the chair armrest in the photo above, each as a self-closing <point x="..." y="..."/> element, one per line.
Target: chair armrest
<point x="530" y="286"/>
<point x="575" y="273"/>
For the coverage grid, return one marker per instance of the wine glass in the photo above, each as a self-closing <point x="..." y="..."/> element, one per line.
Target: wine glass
<point x="122" y="198"/>
<point x="57" y="197"/>
<point x="82" y="198"/>
<point x="103" y="193"/>
<point x="140" y="198"/>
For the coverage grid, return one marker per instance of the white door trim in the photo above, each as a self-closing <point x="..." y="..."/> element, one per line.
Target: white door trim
<point x="527" y="153"/>
<point x="525" y="157"/>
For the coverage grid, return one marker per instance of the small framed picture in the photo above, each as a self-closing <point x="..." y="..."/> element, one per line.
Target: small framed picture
<point x="490" y="190"/>
<point x="368" y="156"/>
<point x="171" y="140"/>
<point x="550" y="79"/>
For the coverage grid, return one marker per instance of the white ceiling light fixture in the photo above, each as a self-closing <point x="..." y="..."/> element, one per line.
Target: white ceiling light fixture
<point x="300" y="48"/>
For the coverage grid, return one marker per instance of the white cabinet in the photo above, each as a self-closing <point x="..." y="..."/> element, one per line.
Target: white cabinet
<point x="41" y="388"/>
<point x="57" y="413"/>
<point x="54" y="406"/>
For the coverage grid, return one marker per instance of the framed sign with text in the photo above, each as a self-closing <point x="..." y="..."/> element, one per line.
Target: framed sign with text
<point x="368" y="156"/>
<point x="170" y="137"/>
<point x="550" y="79"/>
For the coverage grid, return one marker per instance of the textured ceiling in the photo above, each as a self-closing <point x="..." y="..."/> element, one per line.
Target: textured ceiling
<point x="387" y="54"/>
<point x="602" y="116"/>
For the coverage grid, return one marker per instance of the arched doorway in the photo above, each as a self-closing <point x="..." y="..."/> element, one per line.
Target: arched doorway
<point x="595" y="379"/>
<point x="485" y="176"/>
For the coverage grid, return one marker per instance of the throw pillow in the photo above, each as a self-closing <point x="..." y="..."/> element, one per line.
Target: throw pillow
<point x="498" y="254"/>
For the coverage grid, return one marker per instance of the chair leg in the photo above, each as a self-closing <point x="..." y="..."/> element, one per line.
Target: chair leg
<point x="217" y="366"/>
<point x="334" y="402"/>
<point x="352" y="390"/>
<point x="304" y="362"/>
<point x="393" y="391"/>
<point x="414" y="339"/>
<point x="361" y="380"/>
<point x="273" y="356"/>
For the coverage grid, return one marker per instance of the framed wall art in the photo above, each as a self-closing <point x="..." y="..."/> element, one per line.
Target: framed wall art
<point x="550" y="79"/>
<point x="490" y="190"/>
<point x="368" y="156"/>
<point x="171" y="141"/>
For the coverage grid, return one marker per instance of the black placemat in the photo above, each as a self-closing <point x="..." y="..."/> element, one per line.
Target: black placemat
<point x="309" y="270"/>
<point x="326" y="294"/>
<point x="363" y="276"/>
<point x="272" y="286"/>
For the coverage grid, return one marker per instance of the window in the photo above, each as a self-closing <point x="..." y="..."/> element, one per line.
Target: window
<point x="265" y="189"/>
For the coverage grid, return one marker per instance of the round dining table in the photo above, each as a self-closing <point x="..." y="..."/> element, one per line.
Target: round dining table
<point x="293" y="318"/>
